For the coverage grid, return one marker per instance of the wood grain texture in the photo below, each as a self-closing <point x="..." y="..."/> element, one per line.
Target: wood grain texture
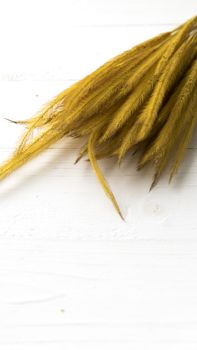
<point x="72" y="274"/>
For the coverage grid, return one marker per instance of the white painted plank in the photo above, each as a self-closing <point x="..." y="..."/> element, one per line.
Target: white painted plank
<point x="108" y="293"/>
<point x="69" y="55"/>
<point x="56" y="15"/>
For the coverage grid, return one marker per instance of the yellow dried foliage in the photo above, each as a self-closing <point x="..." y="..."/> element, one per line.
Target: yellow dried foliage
<point x="144" y="99"/>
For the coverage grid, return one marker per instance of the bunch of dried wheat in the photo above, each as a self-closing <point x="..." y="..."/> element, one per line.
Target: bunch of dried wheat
<point x="144" y="98"/>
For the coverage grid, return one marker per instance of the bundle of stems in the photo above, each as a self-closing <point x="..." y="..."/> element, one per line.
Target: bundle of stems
<point x="143" y="99"/>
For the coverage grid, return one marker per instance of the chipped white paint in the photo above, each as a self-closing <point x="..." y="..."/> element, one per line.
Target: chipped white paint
<point x="72" y="274"/>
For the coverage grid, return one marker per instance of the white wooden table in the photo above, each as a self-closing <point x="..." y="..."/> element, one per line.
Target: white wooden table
<point x="72" y="274"/>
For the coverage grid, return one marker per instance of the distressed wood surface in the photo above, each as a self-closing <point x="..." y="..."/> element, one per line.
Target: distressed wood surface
<point x="72" y="274"/>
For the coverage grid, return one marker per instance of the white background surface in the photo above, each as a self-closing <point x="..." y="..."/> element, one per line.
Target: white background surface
<point x="72" y="274"/>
